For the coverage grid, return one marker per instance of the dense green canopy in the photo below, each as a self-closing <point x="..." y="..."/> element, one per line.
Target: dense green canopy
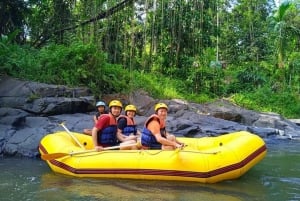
<point x="232" y="48"/>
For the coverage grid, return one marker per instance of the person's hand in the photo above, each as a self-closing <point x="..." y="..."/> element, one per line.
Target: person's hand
<point x="179" y="146"/>
<point x="131" y="137"/>
<point x="99" y="148"/>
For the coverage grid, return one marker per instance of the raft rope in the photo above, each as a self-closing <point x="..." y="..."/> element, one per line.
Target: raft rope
<point x="150" y="152"/>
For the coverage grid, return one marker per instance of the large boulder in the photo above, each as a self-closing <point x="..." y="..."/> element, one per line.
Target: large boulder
<point x="44" y="99"/>
<point x="31" y="110"/>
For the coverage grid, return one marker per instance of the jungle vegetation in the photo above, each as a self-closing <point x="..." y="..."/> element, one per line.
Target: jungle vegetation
<point x="247" y="51"/>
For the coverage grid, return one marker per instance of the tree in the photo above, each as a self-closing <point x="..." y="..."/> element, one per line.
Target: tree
<point x="244" y="33"/>
<point x="281" y="26"/>
<point x="12" y="19"/>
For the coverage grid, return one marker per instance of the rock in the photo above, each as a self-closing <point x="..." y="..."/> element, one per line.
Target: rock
<point x="14" y="117"/>
<point x="44" y="99"/>
<point x="296" y="121"/>
<point x="30" y="110"/>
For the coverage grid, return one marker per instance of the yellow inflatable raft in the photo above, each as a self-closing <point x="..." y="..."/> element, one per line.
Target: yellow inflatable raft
<point x="206" y="160"/>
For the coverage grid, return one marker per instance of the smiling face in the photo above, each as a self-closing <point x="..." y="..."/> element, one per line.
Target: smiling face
<point x="130" y="113"/>
<point x="115" y="110"/>
<point x="162" y="113"/>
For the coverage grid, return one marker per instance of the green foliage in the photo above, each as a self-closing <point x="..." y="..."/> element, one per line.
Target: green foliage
<point x="33" y="97"/>
<point x="205" y="79"/>
<point x="113" y="78"/>
<point x="157" y="85"/>
<point x="82" y="65"/>
<point x="293" y="72"/>
<point x="265" y="100"/>
<point x="12" y="19"/>
<point x="74" y="65"/>
<point x="198" y="98"/>
<point x="15" y="60"/>
<point x="246" y="79"/>
<point x="172" y="49"/>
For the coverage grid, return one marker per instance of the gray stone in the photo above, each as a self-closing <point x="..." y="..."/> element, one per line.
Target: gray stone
<point x="30" y="110"/>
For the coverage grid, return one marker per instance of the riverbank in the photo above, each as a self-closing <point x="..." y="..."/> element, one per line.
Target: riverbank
<point x="296" y="121"/>
<point x="30" y="110"/>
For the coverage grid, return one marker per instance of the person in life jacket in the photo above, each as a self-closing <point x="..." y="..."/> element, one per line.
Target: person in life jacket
<point x="104" y="132"/>
<point x="100" y="105"/>
<point x="154" y="134"/>
<point x="127" y="129"/>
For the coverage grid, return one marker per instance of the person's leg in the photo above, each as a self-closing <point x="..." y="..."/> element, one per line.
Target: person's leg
<point x="129" y="142"/>
<point x="87" y="131"/>
<point x="170" y="138"/>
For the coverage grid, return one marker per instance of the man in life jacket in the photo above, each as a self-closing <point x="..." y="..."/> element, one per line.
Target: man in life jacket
<point x="100" y="105"/>
<point x="104" y="132"/>
<point x="154" y="134"/>
<point x="127" y="129"/>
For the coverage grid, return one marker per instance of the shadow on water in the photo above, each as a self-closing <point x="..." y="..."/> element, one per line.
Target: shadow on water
<point x="274" y="178"/>
<point x="114" y="189"/>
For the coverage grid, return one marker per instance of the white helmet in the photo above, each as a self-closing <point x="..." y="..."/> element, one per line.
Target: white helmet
<point x="100" y="103"/>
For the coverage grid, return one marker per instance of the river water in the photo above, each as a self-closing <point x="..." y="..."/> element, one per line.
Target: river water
<point x="276" y="178"/>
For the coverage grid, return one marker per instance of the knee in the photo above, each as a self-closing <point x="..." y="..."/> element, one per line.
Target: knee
<point x="129" y="142"/>
<point x="171" y="137"/>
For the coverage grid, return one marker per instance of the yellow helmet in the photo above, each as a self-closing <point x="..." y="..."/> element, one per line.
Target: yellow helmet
<point x="115" y="103"/>
<point x="160" y="105"/>
<point x="130" y="108"/>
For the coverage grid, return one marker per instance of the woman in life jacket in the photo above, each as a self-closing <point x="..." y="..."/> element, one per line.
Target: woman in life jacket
<point x="154" y="134"/>
<point x="100" y="106"/>
<point x="104" y="133"/>
<point x="127" y="129"/>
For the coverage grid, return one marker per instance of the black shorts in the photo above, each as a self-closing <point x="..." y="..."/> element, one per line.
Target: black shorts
<point x="153" y="147"/>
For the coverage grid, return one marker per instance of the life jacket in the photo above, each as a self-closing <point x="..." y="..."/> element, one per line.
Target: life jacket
<point x="108" y="136"/>
<point x="147" y="138"/>
<point x="130" y="126"/>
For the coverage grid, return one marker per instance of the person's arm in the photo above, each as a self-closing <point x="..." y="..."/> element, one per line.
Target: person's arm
<point x="124" y="138"/>
<point x="95" y="139"/>
<point x="122" y="123"/>
<point x="95" y="119"/>
<point x="138" y="133"/>
<point x="102" y="122"/>
<point x="178" y="142"/>
<point x="154" y="127"/>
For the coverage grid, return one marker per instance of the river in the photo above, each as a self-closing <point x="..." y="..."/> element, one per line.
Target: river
<point x="276" y="178"/>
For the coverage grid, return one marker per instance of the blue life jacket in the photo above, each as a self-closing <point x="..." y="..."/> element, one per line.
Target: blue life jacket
<point x="147" y="138"/>
<point x="108" y="136"/>
<point x="130" y="127"/>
